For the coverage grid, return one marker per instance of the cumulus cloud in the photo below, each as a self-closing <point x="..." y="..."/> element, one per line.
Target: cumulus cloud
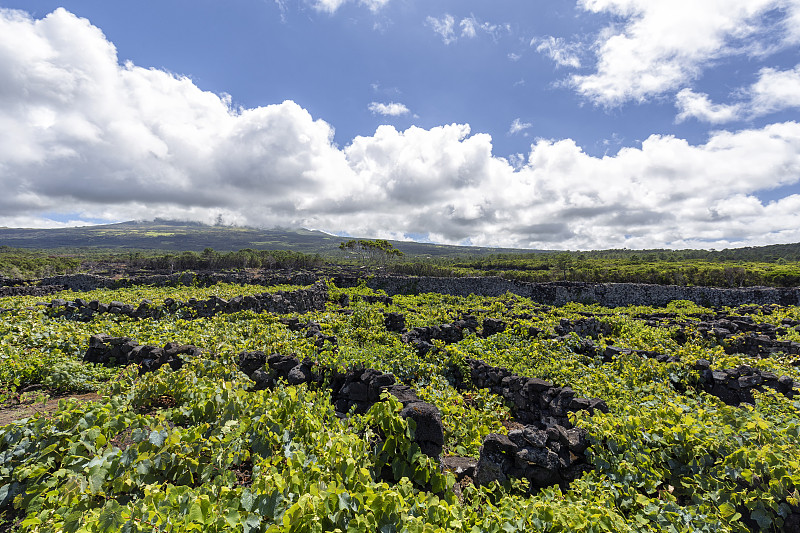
<point x="699" y="106"/>
<point x="82" y="134"/>
<point x="564" y="54"/>
<point x="663" y="45"/>
<point x="517" y="126"/>
<point x="775" y="90"/>
<point x="392" y="109"/>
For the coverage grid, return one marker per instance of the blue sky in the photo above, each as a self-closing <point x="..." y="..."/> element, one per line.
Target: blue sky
<point x="563" y="124"/>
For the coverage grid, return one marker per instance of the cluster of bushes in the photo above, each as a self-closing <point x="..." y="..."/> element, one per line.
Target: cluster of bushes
<point x="209" y="259"/>
<point x="607" y="267"/>
<point x="21" y="264"/>
<point x="775" y="266"/>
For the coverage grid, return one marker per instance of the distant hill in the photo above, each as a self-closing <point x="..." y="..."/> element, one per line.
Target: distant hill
<point x="167" y="235"/>
<point x="179" y="236"/>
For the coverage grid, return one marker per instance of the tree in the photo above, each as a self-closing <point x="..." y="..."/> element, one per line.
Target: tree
<point x="210" y="257"/>
<point x="564" y="262"/>
<point x="379" y="250"/>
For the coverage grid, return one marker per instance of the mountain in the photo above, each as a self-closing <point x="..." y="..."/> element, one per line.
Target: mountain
<point x="170" y="235"/>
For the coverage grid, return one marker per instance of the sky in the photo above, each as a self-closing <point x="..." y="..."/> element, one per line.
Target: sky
<point x="559" y="124"/>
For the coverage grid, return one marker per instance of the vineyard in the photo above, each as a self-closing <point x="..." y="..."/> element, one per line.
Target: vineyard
<point x="236" y="407"/>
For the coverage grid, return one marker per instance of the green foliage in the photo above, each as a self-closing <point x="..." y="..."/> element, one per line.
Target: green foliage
<point x="397" y="450"/>
<point x="614" y="266"/>
<point x="24" y="264"/>
<point x="209" y="259"/>
<point x="198" y="450"/>
<point x="377" y="251"/>
<point x="466" y="417"/>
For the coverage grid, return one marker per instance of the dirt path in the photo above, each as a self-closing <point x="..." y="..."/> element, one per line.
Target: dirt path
<point x="16" y="412"/>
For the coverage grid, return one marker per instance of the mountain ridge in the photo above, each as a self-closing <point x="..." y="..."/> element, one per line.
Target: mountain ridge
<point x="172" y="235"/>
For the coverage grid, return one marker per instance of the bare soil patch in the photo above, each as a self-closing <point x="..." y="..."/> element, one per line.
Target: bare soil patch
<point x="13" y="413"/>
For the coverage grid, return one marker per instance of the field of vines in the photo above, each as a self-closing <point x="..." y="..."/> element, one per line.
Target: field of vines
<point x="699" y="430"/>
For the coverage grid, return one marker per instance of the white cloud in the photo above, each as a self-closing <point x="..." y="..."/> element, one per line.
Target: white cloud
<point x="774" y="91"/>
<point x="331" y="6"/>
<point x="444" y="26"/>
<point x="564" y="54"/>
<point x="792" y="22"/>
<point x="664" y="44"/>
<point x="392" y="109"/>
<point x="282" y="8"/>
<point x="699" y="106"/>
<point x="374" y="5"/>
<point x="80" y="133"/>
<point x="468" y="26"/>
<point x="518" y="126"/>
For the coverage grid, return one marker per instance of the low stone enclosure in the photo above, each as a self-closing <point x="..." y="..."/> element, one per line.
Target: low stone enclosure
<point x="736" y="333"/>
<point x="422" y="337"/>
<point x="283" y="302"/>
<point x="90" y="282"/>
<point x="740" y="334"/>
<point x="560" y="293"/>
<point x="552" y="293"/>
<point x="732" y="386"/>
<point x="354" y="391"/>
<point x="547" y="451"/>
<point x="357" y="390"/>
<point x="735" y="386"/>
<point x="533" y="401"/>
<point x="538" y="402"/>
<point x="40" y="290"/>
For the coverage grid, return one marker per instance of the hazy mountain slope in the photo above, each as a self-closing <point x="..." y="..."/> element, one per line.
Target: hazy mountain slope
<point x="173" y="235"/>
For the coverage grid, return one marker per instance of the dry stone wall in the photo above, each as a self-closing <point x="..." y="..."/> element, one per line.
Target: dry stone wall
<point x="559" y="293"/>
<point x="89" y="282"/>
<point x="26" y="290"/>
<point x="548" y="451"/>
<point x="121" y="351"/>
<point x="735" y="386"/>
<point x="534" y="401"/>
<point x="300" y="301"/>
<point x="354" y="391"/>
<point x="545" y="457"/>
<point x="553" y="293"/>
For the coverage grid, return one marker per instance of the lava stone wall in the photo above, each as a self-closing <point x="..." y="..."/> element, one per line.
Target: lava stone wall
<point x="354" y="391"/>
<point x="735" y="386"/>
<point x="554" y="456"/>
<point x="534" y="401"/>
<point x="23" y="290"/>
<point x="283" y="302"/>
<point x="606" y="294"/>
<point x="553" y="293"/>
